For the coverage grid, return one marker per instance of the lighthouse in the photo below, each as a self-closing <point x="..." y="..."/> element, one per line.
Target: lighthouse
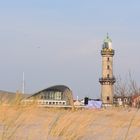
<point x="107" y="80"/>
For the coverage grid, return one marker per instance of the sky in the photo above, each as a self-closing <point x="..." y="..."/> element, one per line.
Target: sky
<point x="58" y="42"/>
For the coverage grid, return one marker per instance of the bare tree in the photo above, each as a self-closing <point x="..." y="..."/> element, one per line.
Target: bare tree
<point x="121" y="87"/>
<point x="126" y="87"/>
<point x="133" y="88"/>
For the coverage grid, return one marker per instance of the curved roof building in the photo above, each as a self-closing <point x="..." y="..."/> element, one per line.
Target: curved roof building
<point x="56" y="95"/>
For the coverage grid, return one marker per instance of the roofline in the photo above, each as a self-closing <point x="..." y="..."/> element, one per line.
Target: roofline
<point x="47" y="89"/>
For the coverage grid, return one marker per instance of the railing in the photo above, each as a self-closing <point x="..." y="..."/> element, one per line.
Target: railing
<point x="107" y="52"/>
<point x="107" y="79"/>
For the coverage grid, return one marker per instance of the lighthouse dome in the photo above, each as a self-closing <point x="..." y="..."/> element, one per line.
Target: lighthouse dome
<point x="107" y="42"/>
<point x="107" y="39"/>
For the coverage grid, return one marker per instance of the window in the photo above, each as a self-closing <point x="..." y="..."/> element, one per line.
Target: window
<point x="57" y="95"/>
<point x="51" y="95"/>
<point x="107" y="75"/>
<point x="47" y="95"/>
<point x="108" y="98"/>
<point x="108" y="59"/>
<point x="108" y="67"/>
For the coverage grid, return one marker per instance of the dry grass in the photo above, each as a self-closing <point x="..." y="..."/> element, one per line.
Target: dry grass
<point x="18" y="122"/>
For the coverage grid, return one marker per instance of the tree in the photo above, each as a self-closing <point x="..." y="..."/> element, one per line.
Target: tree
<point x="126" y="88"/>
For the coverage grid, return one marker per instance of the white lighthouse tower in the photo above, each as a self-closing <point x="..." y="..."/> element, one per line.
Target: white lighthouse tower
<point x="107" y="80"/>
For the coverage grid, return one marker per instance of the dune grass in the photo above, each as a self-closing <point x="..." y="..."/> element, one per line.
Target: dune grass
<point x="18" y="122"/>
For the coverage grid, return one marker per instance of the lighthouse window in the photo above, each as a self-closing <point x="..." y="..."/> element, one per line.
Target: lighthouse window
<point x="108" y="67"/>
<point x="107" y="75"/>
<point x="108" y="98"/>
<point x="108" y="59"/>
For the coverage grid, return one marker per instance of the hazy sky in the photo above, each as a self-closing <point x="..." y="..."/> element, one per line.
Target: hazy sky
<point x="59" y="42"/>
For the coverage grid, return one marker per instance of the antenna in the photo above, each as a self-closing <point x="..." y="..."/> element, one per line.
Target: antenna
<point x="23" y="84"/>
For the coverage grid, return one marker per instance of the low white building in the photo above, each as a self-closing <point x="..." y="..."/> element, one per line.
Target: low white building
<point x="59" y="95"/>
